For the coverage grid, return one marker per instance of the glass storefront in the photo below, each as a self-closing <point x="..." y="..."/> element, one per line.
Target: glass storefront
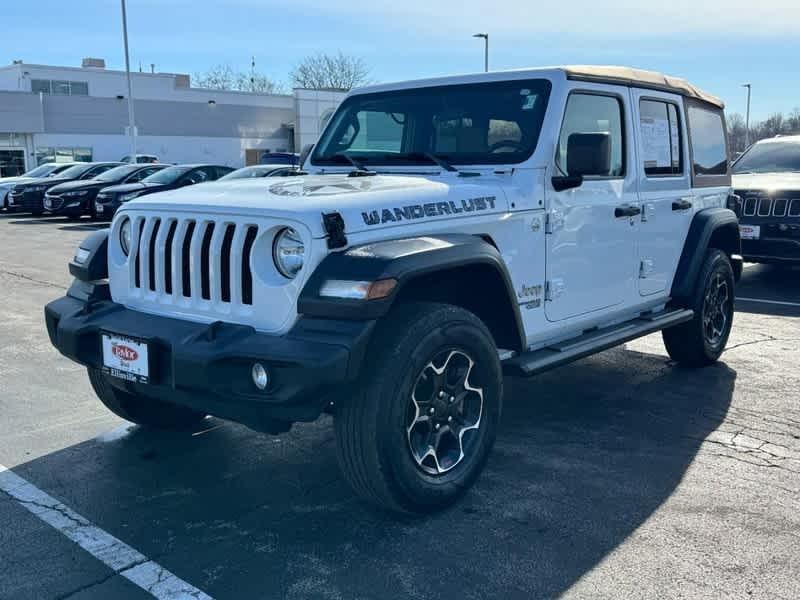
<point x="12" y="154"/>
<point x="45" y="154"/>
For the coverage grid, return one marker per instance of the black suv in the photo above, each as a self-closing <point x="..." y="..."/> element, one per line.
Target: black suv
<point x="767" y="180"/>
<point x="29" y="197"/>
<point x="111" y="198"/>
<point x="77" y="198"/>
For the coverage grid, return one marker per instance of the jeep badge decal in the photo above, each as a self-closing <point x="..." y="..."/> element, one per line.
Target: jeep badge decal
<point x="431" y="209"/>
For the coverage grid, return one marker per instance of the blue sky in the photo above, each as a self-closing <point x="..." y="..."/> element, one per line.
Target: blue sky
<point x="716" y="44"/>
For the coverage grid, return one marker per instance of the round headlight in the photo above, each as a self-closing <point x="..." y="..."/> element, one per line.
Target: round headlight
<point x="288" y="252"/>
<point x="125" y="236"/>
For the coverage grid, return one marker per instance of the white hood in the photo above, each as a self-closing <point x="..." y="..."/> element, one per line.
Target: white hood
<point x="767" y="181"/>
<point x="369" y="202"/>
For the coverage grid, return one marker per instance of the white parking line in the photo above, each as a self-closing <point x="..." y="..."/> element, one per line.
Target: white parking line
<point x="121" y="558"/>
<point x="778" y="302"/>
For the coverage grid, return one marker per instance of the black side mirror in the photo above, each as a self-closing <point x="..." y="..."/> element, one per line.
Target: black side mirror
<point x="304" y="154"/>
<point x="567" y="182"/>
<point x="589" y="154"/>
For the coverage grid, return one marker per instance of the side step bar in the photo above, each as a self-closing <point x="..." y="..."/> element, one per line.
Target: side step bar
<point x="591" y="342"/>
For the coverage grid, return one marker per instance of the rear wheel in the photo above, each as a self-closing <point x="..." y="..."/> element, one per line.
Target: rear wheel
<point x="702" y="340"/>
<point x="416" y="433"/>
<point x="139" y="409"/>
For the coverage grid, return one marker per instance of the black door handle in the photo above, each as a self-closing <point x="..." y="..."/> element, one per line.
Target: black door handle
<point x="627" y="210"/>
<point x="681" y="205"/>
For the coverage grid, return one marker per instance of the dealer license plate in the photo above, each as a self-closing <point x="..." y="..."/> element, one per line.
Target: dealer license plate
<point x="125" y="358"/>
<point x="750" y="232"/>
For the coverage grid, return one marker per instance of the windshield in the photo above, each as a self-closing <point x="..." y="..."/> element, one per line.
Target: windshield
<point x="41" y="171"/>
<point x="248" y="172"/>
<point x="770" y="157"/>
<point x="484" y="123"/>
<point x="117" y="173"/>
<point x="75" y="171"/>
<point x="166" y="176"/>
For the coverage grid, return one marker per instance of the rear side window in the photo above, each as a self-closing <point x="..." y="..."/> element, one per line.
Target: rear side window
<point x="707" y="135"/>
<point x="660" y="135"/>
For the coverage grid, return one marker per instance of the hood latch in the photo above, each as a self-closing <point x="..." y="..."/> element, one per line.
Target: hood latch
<point x="334" y="226"/>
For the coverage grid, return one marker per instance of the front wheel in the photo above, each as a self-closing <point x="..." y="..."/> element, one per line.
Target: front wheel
<point x="416" y="433"/>
<point x="143" y="411"/>
<point x="701" y="341"/>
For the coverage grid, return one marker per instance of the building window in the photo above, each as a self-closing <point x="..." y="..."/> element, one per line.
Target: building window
<point x="61" y="88"/>
<point x="47" y="154"/>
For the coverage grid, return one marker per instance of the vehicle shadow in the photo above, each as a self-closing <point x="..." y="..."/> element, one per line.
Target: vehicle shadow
<point x="765" y="289"/>
<point x="584" y="456"/>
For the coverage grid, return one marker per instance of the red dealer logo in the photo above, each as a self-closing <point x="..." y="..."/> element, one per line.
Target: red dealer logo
<point x="125" y="353"/>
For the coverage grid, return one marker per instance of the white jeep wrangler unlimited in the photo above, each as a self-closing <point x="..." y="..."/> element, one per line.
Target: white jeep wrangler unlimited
<point x="447" y="232"/>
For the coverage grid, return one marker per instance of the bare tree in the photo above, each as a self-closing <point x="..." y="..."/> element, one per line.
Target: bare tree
<point x="224" y="77"/>
<point x="220" y="77"/>
<point x="339" y="72"/>
<point x="737" y="136"/>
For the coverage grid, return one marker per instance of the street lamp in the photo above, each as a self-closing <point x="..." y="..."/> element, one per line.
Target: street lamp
<point x="485" y="37"/>
<point x="747" y="118"/>
<point x="131" y="119"/>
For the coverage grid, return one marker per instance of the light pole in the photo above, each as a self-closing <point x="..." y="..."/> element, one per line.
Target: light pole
<point x="131" y="118"/>
<point x="747" y="117"/>
<point x="485" y="37"/>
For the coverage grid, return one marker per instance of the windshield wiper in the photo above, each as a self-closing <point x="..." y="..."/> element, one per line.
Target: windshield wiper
<point x="435" y="159"/>
<point x="361" y="170"/>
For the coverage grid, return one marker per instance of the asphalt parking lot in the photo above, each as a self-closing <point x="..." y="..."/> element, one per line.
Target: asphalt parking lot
<point x="621" y="476"/>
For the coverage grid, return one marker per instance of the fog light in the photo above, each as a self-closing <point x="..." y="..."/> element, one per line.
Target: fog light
<point x="260" y="376"/>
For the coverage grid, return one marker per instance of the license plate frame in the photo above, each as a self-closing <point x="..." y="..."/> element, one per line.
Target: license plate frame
<point x="750" y="232"/>
<point x="131" y="360"/>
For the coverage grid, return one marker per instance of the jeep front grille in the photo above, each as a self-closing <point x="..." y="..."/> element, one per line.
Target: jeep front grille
<point x="193" y="259"/>
<point x="761" y="204"/>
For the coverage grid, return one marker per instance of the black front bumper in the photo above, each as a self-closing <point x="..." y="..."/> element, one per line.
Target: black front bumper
<point x="208" y="366"/>
<point x="779" y="243"/>
<point x="30" y="202"/>
<point x="106" y="207"/>
<point x="61" y="206"/>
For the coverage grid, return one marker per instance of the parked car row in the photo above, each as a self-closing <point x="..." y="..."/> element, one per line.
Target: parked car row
<point x="98" y="189"/>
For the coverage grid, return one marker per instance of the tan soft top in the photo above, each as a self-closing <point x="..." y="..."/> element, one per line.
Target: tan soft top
<point x="641" y="78"/>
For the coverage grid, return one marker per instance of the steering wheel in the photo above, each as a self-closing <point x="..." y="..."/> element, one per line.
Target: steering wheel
<point x="506" y="144"/>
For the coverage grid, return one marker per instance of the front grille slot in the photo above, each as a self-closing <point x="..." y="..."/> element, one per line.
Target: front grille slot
<point x="138" y="274"/>
<point x="765" y="207"/>
<point x="168" y="257"/>
<point x="205" y="263"/>
<point x="151" y="256"/>
<point x="779" y="207"/>
<point x="794" y="208"/>
<point x="225" y="263"/>
<point x="186" y="274"/>
<point x="247" y="275"/>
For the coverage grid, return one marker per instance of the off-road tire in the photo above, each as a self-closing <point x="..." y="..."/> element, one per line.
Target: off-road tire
<point x="143" y="411"/>
<point x="373" y="437"/>
<point x="688" y="343"/>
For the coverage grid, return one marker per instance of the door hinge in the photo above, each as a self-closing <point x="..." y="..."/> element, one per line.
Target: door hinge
<point x="646" y="268"/>
<point x="553" y="289"/>
<point x="553" y="221"/>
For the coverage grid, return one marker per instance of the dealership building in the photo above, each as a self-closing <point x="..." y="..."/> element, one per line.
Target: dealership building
<point x="81" y="113"/>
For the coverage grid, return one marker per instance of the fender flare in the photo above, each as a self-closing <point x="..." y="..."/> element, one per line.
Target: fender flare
<point x="711" y="227"/>
<point x="405" y="260"/>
